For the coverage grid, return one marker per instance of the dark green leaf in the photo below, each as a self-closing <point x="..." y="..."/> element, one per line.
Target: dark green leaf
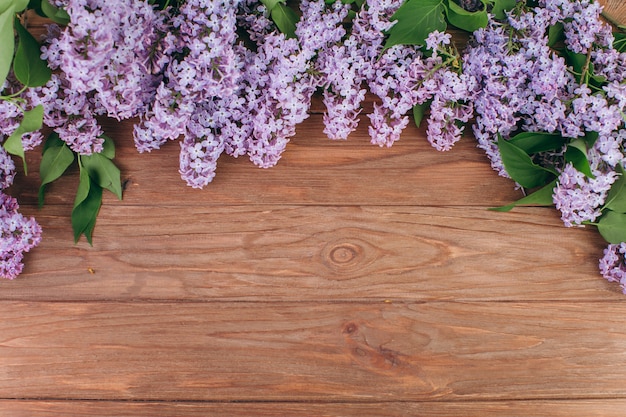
<point x="55" y="160"/>
<point x="556" y="33"/>
<point x="28" y="67"/>
<point x="591" y="138"/>
<point x="418" y="112"/>
<point x="576" y="154"/>
<point x="612" y="227"/>
<point x="463" y="19"/>
<point x="103" y="172"/>
<point x="53" y="139"/>
<point x="532" y="142"/>
<point x="285" y="19"/>
<point x="521" y="168"/>
<point x="56" y="14"/>
<point x="31" y="122"/>
<point x="620" y="41"/>
<point x="7" y="41"/>
<point x="502" y="6"/>
<point x="86" y="207"/>
<point x="416" y="19"/>
<point x="616" y="199"/>
<point x="108" y="148"/>
<point x="36" y="6"/>
<point x="576" y="61"/>
<point x="270" y="4"/>
<point x="541" y="197"/>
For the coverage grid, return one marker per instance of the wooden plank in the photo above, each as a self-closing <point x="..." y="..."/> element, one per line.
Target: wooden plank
<point x="573" y="408"/>
<point x="313" y="253"/>
<point x="310" y="351"/>
<point x="313" y="170"/>
<point x="615" y="10"/>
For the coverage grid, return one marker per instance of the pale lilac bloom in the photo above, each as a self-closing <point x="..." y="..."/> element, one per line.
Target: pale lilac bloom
<point x="18" y="235"/>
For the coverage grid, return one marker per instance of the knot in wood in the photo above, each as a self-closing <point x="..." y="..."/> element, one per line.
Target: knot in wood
<point x="345" y="253"/>
<point x="344" y="257"/>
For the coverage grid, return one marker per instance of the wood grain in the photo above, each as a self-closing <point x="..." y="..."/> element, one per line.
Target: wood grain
<point x="615" y="10"/>
<point x="312" y="351"/>
<point x="307" y="253"/>
<point x="582" y="408"/>
<point x="313" y="171"/>
<point x="347" y="281"/>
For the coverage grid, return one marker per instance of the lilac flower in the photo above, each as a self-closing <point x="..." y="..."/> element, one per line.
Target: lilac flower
<point x="112" y="51"/>
<point x="17" y="235"/>
<point x="613" y="264"/>
<point x="579" y="198"/>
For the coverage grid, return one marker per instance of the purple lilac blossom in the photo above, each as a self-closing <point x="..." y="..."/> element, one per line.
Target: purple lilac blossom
<point x="280" y="77"/>
<point x="17" y="235"/>
<point x="526" y="87"/>
<point x="111" y="50"/>
<point x="613" y="264"/>
<point x="521" y="84"/>
<point x="201" y="81"/>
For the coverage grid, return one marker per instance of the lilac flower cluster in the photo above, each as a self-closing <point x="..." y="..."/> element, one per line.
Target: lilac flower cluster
<point x="523" y="85"/>
<point x="18" y="234"/>
<point x="109" y="60"/>
<point x="612" y="264"/>
<point x="219" y="76"/>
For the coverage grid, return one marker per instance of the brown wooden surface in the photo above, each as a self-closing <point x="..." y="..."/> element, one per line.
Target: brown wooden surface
<point x="347" y="281"/>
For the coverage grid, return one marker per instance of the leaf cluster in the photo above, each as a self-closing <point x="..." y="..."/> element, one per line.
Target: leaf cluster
<point x="416" y="19"/>
<point x="283" y="16"/>
<point x="25" y="61"/>
<point x="520" y="153"/>
<point x="97" y="172"/>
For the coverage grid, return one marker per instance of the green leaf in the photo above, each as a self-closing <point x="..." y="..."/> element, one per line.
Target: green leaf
<point x="465" y="20"/>
<point x="7" y="40"/>
<point x="108" y="147"/>
<point x="31" y="122"/>
<point x="521" y="168"/>
<point x="56" y="14"/>
<point x="556" y="33"/>
<point x="28" y="67"/>
<point x="576" y="154"/>
<point x="418" y="112"/>
<point x="416" y="19"/>
<point x="616" y="198"/>
<point x="541" y="197"/>
<point x="532" y="142"/>
<point x="270" y="4"/>
<point x="53" y="139"/>
<point x="612" y="227"/>
<point x="103" y="172"/>
<point x="5" y="4"/>
<point x="86" y="207"/>
<point x="620" y="41"/>
<point x="502" y="6"/>
<point x="20" y="5"/>
<point x="285" y="19"/>
<point x="591" y="138"/>
<point x="36" y="6"/>
<point x="54" y="162"/>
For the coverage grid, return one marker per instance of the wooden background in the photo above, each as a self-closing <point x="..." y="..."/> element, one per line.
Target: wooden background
<point x="348" y="280"/>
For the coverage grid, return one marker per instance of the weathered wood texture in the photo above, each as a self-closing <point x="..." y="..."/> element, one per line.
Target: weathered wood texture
<point x="313" y="351"/>
<point x="615" y="10"/>
<point x="588" y="408"/>
<point x="347" y="281"/>
<point x="283" y="253"/>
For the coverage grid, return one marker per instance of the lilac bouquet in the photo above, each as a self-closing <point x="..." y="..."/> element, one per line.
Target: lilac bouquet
<point x="543" y="84"/>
